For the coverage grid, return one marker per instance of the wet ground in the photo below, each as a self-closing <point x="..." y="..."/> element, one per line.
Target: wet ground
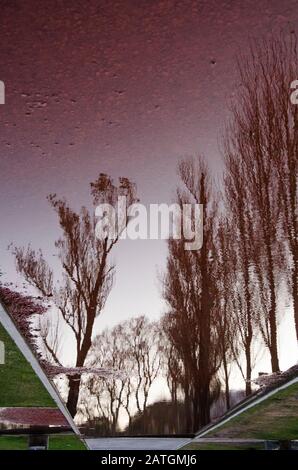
<point x="137" y="443"/>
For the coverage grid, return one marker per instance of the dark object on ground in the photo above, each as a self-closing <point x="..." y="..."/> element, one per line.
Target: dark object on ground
<point x="38" y="442"/>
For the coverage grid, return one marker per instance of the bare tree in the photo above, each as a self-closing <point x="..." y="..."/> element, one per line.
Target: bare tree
<point x="143" y="337"/>
<point x="189" y="289"/>
<point x="178" y="355"/>
<point x="227" y="336"/>
<point x="110" y="349"/>
<point x="171" y="364"/>
<point x="273" y="67"/>
<point x="240" y="217"/>
<point x="262" y="136"/>
<point x="132" y="347"/>
<point x="87" y="273"/>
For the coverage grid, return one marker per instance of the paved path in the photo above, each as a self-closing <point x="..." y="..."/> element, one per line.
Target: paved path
<point x="137" y="443"/>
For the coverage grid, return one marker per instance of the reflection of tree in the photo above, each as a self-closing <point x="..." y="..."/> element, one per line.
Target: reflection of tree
<point x="190" y="291"/>
<point x="228" y="342"/>
<point x="108" y="396"/>
<point x="261" y="154"/>
<point x="131" y="347"/>
<point x="143" y="337"/>
<point x="278" y="66"/>
<point x="223" y="298"/>
<point x="161" y="418"/>
<point x="240" y="293"/>
<point x="87" y="274"/>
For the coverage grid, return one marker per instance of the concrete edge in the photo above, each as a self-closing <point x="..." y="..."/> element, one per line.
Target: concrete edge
<point x="9" y="325"/>
<point x="250" y="405"/>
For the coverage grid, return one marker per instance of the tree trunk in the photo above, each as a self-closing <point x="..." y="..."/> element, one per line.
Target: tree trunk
<point x="203" y="412"/>
<point x="295" y="294"/>
<point x="74" y="382"/>
<point x="248" y="370"/>
<point x="204" y="405"/>
<point x="272" y="312"/>
<point x="73" y="395"/>
<point x="196" y="413"/>
<point x="227" y="388"/>
<point x="188" y="420"/>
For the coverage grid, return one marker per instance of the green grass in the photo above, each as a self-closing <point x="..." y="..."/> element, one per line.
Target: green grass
<point x="223" y="446"/>
<point x="66" y="443"/>
<point x="55" y="443"/>
<point x="13" y="443"/>
<point x="19" y="385"/>
<point x="274" y="418"/>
